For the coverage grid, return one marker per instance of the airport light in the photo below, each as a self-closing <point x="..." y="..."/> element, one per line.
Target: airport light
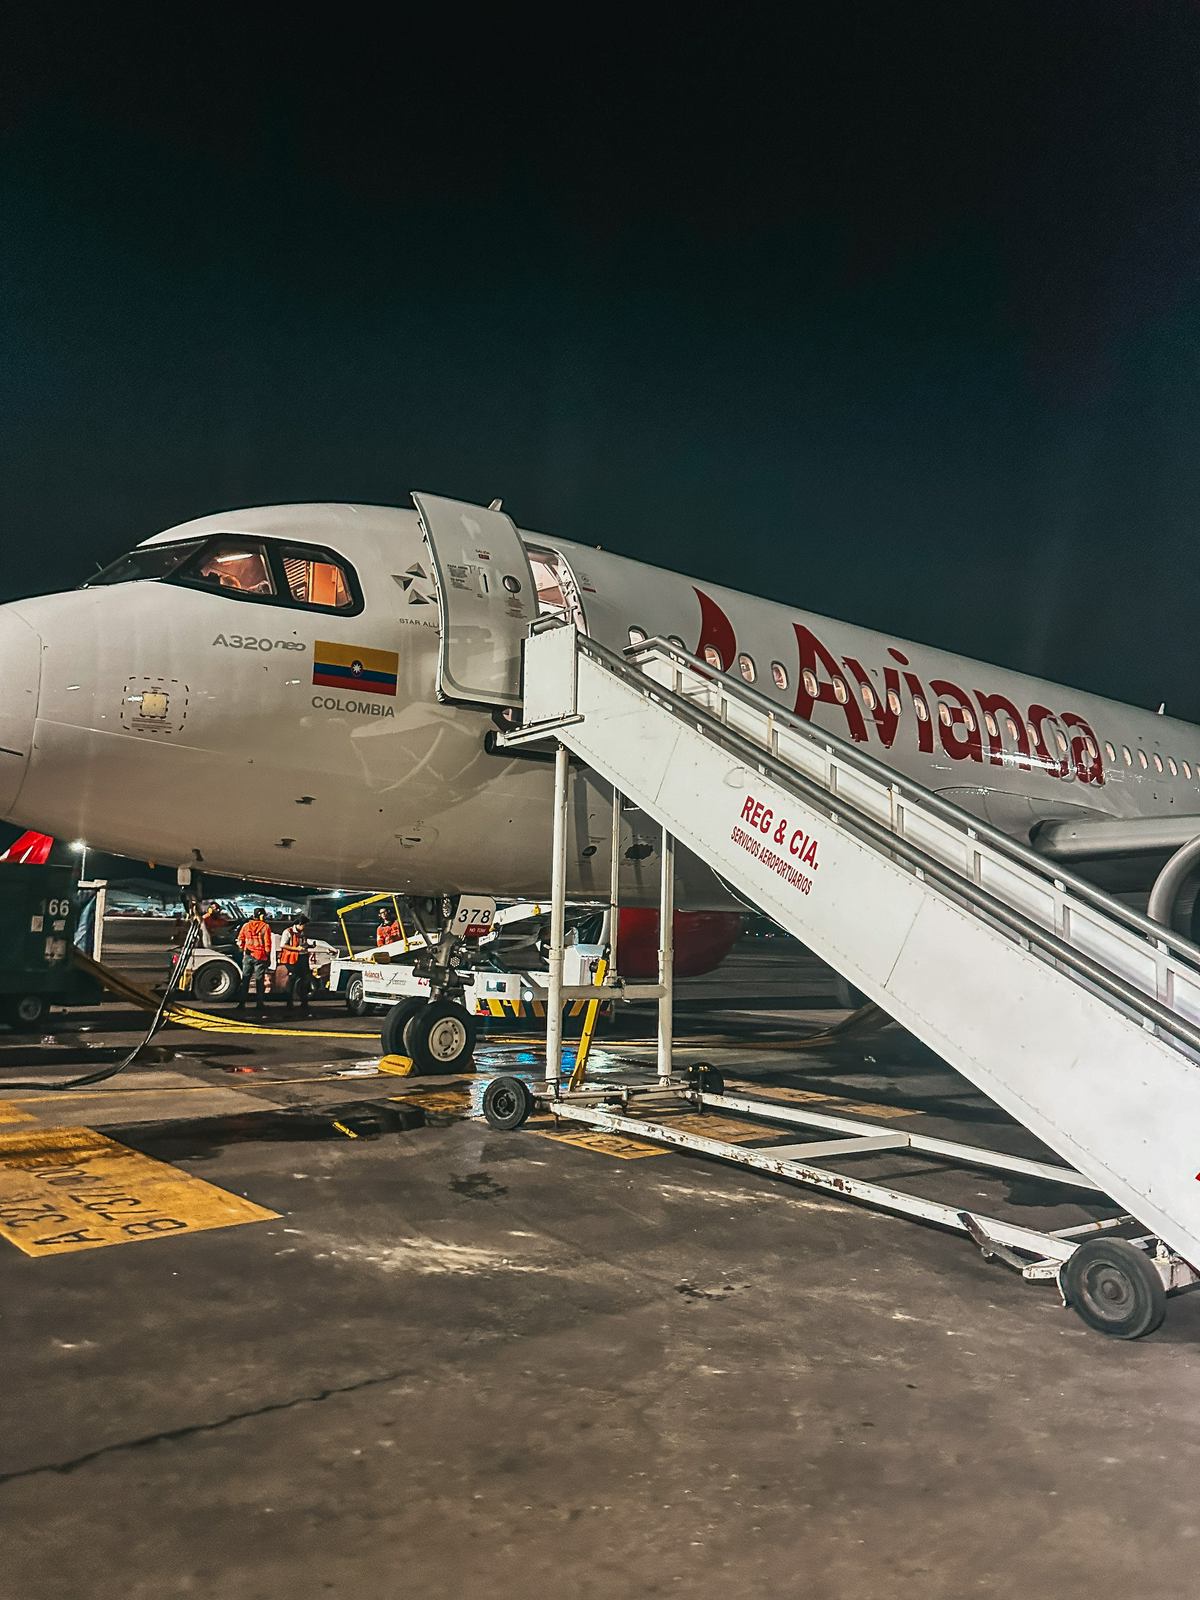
<point x="81" y="848"/>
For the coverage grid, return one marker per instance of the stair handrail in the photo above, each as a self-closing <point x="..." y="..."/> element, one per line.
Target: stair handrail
<point x="742" y="746"/>
<point x="912" y="788"/>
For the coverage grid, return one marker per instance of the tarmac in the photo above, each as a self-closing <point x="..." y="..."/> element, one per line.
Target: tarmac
<point x="368" y="1347"/>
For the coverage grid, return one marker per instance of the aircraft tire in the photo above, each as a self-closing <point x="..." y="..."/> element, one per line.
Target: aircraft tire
<point x="1114" y="1287"/>
<point x="440" y="1038"/>
<point x="356" y="1004"/>
<point x="391" y="1034"/>
<point x="507" y="1103"/>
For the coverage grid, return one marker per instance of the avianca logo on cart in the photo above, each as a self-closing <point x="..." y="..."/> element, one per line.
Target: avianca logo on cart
<point x="1061" y="743"/>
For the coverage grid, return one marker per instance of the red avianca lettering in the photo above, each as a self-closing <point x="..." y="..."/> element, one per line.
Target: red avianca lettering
<point x="969" y="726"/>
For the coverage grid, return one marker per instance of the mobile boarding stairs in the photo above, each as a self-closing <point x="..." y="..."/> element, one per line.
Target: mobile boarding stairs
<point x="1076" y="1015"/>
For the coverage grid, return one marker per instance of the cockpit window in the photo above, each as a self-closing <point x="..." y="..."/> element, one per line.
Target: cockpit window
<point x="243" y="568"/>
<point x="147" y="562"/>
<point x="238" y="565"/>
<point x="315" y="579"/>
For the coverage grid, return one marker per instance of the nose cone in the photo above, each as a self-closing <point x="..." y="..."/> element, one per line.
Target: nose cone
<point x="20" y="672"/>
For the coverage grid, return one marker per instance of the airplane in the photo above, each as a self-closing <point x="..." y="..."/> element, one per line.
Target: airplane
<point x="315" y="693"/>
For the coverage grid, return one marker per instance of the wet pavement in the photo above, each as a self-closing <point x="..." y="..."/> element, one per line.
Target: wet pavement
<point x="432" y="1359"/>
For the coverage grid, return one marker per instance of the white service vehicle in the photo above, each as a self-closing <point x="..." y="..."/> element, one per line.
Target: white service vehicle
<point x="378" y="980"/>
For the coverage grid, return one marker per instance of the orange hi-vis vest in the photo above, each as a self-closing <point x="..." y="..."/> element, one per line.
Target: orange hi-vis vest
<point x="255" y="940"/>
<point x="289" y="953"/>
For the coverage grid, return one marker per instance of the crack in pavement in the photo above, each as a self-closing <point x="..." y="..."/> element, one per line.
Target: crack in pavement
<point x="189" y="1430"/>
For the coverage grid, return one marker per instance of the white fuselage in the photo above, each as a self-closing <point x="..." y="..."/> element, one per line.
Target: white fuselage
<point x="190" y="727"/>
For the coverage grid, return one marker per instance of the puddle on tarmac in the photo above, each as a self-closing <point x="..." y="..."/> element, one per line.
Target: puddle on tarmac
<point x="202" y="1138"/>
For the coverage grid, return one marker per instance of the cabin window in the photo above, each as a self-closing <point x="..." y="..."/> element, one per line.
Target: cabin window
<point x="920" y="708"/>
<point x="1171" y="767"/>
<point x="1142" y="762"/>
<point x="779" y="674"/>
<point x="1089" y="749"/>
<point x="676" y="641"/>
<point x="991" y="724"/>
<point x="1110" y="751"/>
<point x="315" y="579"/>
<point x="747" y="668"/>
<point x="840" y="692"/>
<point x="809" y="679"/>
<point x="893" y="700"/>
<point x="637" y="635"/>
<point x="1187" y="770"/>
<point x="1060" y="740"/>
<point x="1033" y="741"/>
<point x="956" y="716"/>
<point x="1158" y="762"/>
<point x="235" y="566"/>
<point x="1127" y="755"/>
<point x="1014" y="733"/>
<point x="712" y="656"/>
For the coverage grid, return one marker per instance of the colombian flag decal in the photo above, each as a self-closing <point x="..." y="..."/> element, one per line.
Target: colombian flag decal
<point x="349" y="666"/>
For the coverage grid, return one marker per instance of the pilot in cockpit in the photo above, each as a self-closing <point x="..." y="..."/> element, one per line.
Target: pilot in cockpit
<point x="242" y="571"/>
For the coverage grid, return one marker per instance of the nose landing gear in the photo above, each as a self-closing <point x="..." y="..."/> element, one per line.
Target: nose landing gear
<point x="438" y="1034"/>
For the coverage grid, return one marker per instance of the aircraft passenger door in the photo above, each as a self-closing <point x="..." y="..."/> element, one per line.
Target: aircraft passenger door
<point x="486" y="596"/>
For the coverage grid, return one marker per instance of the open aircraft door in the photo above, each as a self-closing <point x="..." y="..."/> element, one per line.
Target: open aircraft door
<point x="487" y="599"/>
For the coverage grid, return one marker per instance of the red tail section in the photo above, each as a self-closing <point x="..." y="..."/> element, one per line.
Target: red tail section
<point x="702" y="941"/>
<point x="30" y="850"/>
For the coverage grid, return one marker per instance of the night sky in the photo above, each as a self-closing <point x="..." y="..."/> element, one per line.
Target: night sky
<point x="895" y="315"/>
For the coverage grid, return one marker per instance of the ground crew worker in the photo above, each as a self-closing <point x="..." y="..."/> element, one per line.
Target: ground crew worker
<point x="388" y="931"/>
<point x="293" y="958"/>
<point x="212" y="922"/>
<point x="254" y="941"/>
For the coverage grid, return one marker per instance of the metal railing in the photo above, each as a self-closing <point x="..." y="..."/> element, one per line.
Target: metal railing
<point x="1146" y="969"/>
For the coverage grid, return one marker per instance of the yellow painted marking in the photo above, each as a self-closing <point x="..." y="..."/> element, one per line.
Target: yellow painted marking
<point x="450" y="1102"/>
<point x="398" y="1066"/>
<point x="12" y="1113"/>
<point x="727" y="1128"/>
<point x="864" y="1108"/>
<point x="624" y="1148"/>
<point x="607" y="1144"/>
<point x="67" y="1189"/>
<point x="867" y="1108"/>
